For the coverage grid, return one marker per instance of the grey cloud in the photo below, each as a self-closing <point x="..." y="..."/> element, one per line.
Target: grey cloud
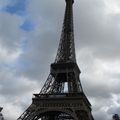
<point x="10" y="33"/>
<point x="113" y="110"/>
<point x="97" y="30"/>
<point x="12" y="85"/>
<point x="102" y="116"/>
<point x="41" y="53"/>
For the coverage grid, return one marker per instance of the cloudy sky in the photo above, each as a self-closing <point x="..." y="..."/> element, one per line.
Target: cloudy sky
<point x="29" y="36"/>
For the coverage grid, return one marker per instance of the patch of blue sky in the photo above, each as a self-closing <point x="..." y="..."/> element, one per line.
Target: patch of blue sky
<point x="22" y="64"/>
<point x="3" y="66"/>
<point x="24" y="44"/>
<point x="27" y="26"/>
<point x="7" y="66"/>
<point x="17" y="65"/>
<point x="18" y="7"/>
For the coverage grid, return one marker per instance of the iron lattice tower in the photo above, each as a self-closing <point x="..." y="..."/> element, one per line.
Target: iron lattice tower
<point x="62" y="96"/>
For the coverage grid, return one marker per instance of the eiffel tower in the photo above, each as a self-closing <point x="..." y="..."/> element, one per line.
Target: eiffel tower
<point x="62" y="96"/>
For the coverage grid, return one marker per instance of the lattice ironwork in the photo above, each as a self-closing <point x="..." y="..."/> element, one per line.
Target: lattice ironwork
<point x="62" y="96"/>
<point x="66" y="49"/>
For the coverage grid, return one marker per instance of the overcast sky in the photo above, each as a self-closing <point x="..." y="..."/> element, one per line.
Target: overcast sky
<point x="29" y="37"/>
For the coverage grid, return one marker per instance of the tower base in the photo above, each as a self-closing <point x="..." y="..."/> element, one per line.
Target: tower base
<point x="72" y="106"/>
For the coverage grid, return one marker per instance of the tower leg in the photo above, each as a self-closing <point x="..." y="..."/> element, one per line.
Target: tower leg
<point x="83" y="115"/>
<point x="52" y="117"/>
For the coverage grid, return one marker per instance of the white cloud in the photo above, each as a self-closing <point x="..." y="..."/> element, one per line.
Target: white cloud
<point x="9" y="57"/>
<point x="15" y="93"/>
<point x="12" y="111"/>
<point x="112" y="6"/>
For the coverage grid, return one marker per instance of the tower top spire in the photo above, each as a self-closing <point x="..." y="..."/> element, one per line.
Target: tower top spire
<point x="70" y="0"/>
<point x="66" y="49"/>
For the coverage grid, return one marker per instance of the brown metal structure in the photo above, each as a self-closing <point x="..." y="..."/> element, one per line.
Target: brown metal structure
<point x="62" y="96"/>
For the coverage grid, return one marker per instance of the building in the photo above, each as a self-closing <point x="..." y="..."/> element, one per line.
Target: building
<point x="1" y="116"/>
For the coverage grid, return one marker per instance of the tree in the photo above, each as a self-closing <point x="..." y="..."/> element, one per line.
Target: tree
<point x="1" y="116"/>
<point x="116" y="117"/>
